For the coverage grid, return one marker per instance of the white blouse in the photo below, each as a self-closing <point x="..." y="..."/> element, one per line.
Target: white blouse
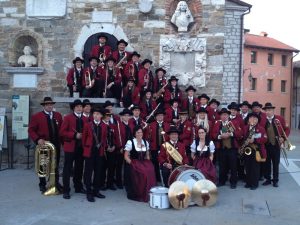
<point x="211" y="147"/>
<point x="128" y="146"/>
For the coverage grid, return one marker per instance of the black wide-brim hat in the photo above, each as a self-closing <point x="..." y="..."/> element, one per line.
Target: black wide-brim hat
<point x="160" y="69"/>
<point x="204" y="96"/>
<point x="234" y="105"/>
<point x="107" y="103"/>
<point x="253" y="115"/>
<point x="135" y="107"/>
<point x="93" y="57"/>
<point x="78" y="59"/>
<point x="125" y="112"/>
<point x="214" y="101"/>
<point x="86" y="102"/>
<point x="75" y="103"/>
<point x="190" y="88"/>
<point x="224" y="110"/>
<point x="110" y="59"/>
<point x="102" y="35"/>
<point x="172" y="78"/>
<point x="268" y="105"/>
<point x="174" y="100"/>
<point x="131" y="78"/>
<point x="147" y="61"/>
<point x="135" y="54"/>
<point x="256" y="104"/>
<point x="173" y="129"/>
<point x="159" y="111"/>
<point x="47" y="100"/>
<point x="122" y="41"/>
<point x="202" y="110"/>
<point x="246" y="103"/>
<point x="98" y="109"/>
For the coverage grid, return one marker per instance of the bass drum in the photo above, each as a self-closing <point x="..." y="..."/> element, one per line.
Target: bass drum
<point x="159" y="198"/>
<point x="187" y="174"/>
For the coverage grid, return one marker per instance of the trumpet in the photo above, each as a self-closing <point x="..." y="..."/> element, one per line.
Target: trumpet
<point x="118" y="65"/>
<point x="88" y="80"/>
<point x="230" y="127"/>
<point x="102" y="57"/>
<point x="286" y="145"/>
<point x="159" y="93"/>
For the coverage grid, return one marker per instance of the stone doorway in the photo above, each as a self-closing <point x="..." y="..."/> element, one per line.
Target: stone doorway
<point x="92" y="40"/>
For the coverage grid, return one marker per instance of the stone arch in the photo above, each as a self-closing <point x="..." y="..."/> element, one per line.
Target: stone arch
<point x="195" y="7"/>
<point x="89" y="30"/>
<point x="19" y="41"/>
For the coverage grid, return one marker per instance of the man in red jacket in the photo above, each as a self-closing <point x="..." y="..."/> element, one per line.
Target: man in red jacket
<point x="44" y="126"/>
<point x="121" y="55"/>
<point x="75" y="76"/>
<point x="191" y="103"/>
<point x="101" y="51"/>
<point x="145" y="77"/>
<point x="71" y="134"/>
<point x="227" y="135"/>
<point x="204" y="100"/>
<point x="94" y="141"/>
<point x="275" y="128"/>
<point x="166" y="161"/>
<point x="172" y="112"/>
<point x="132" y="68"/>
<point x="256" y="137"/>
<point x="86" y="111"/>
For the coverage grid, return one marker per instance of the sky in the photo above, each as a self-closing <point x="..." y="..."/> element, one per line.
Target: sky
<point x="280" y="19"/>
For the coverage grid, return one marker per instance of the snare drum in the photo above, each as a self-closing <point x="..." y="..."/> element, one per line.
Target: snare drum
<point x="159" y="198"/>
<point x="186" y="174"/>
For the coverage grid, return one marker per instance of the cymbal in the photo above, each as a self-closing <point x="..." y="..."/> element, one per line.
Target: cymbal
<point x="204" y="193"/>
<point x="179" y="195"/>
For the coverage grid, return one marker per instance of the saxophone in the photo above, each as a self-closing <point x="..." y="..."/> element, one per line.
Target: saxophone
<point x="246" y="148"/>
<point x="45" y="164"/>
<point x="173" y="152"/>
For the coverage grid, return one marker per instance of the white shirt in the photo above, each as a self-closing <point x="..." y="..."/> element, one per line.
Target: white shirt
<point x="97" y="122"/>
<point x="244" y="115"/>
<point x="191" y="99"/>
<point x="232" y="117"/>
<point x="50" y="114"/>
<point x="77" y="114"/>
<point x="85" y="115"/>
<point x="128" y="146"/>
<point x="211" y="147"/>
<point x="270" y="119"/>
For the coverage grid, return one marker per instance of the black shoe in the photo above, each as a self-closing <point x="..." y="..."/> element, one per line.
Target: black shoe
<point x="275" y="184"/>
<point x="59" y="187"/>
<point x="220" y="184"/>
<point x="99" y="195"/>
<point x="120" y="186"/>
<point x="267" y="182"/>
<point x="90" y="198"/>
<point x="247" y="186"/>
<point x="111" y="187"/>
<point x="233" y="186"/>
<point x="253" y="188"/>
<point x="82" y="190"/>
<point x="66" y="196"/>
<point x="43" y="189"/>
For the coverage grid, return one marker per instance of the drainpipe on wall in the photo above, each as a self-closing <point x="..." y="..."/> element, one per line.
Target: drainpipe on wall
<point x="241" y="52"/>
<point x="291" y="94"/>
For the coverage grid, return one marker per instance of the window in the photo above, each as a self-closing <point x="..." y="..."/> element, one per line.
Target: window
<point x="270" y="59"/>
<point x="282" y="112"/>
<point x="253" y="84"/>
<point x="283" y="86"/>
<point x="270" y="85"/>
<point x="253" y="57"/>
<point x="283" y="60"/>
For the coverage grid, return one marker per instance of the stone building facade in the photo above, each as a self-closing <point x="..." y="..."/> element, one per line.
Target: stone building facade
<point x="58" y="31"/>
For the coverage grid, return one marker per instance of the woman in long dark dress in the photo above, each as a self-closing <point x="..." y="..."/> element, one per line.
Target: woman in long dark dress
<point x="202" y="150"/>
<point x="139" y="170"/>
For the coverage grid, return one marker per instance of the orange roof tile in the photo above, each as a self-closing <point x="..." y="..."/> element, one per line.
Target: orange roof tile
<point x="259" y="41"/>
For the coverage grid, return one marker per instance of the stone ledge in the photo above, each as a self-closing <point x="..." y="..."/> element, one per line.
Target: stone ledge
<point x="92" y="100"/>
<point x="24" y="70"/>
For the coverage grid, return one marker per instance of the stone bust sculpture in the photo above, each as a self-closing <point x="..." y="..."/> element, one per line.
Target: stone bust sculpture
<point x="182" y="16"/>
<point x="27" y="59"/>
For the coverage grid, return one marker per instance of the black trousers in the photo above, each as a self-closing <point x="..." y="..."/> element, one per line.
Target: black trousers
<point x="154" y="159"/>
<point x="273" y="160"/>
<point x="252" y="168"/>
<point x="43" y="181"/>
<point x="240" y="167"/>
<point x="93" y="168"/>
<point x="119" y="167"/>
<point x="109" y="169"/>
<point x="165" y="172"/>
<point x="227" y="161"/>
<point x="78" y="160"/>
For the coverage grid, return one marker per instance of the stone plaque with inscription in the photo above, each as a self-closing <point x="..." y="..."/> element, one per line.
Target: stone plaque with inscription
<point x="46" y="8"/>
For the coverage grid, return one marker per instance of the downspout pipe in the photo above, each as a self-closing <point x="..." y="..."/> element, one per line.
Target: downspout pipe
<point x="241" y="52"/>
<point x="292" y="93"/>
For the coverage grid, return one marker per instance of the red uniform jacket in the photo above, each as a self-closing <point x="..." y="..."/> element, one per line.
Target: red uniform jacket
<point x="68" y="132"/>
<point x="186" y="135"/>
<point x="214" y="116"/>
<point x="135" y="96"/>
<point x="238" y="120"/>
<point x="170" y="114"/>
<point x="132" y="123"/>
<point x="151" y="134"/>
<point x="158" y="84"/>
<point x="283" y="124"/>
<point x="237" y="135"/>
<point x="70" y="76"/>
<point x="164" y="157"/>
<point x="169" y="95"/>
<point x="130" y="70"/>
<point x="196" y="105"/>
<point x="260" y="141"/>
<point x="117" y="77"/>
<point x="143" y="106"/>
<point x="115" y="55"/>
<point x="88" y="139"/>
<point x="211" y="127"/>
<point x="87" y="71"/>
<point x="263" y="119"/>
<point x="210" y="112"/>
<point x="95" y="52"/>
<point x="141" y="84"/>
<point x="38" y="126"/>
<point x="120" y="131"/>
<point x="87" y="119"/>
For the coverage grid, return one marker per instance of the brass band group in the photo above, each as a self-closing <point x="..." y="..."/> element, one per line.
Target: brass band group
<point x="160" y="128"/>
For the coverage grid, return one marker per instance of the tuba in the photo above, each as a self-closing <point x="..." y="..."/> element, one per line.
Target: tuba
<point x="45" y="164"/>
